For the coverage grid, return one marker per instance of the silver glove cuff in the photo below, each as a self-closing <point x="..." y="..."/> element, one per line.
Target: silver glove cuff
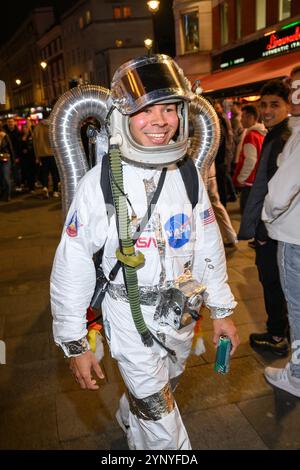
<point x="217" y="313"/>
<point x="75" y="348"/>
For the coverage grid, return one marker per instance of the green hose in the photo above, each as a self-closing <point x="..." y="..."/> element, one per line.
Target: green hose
<point x="126" y="254"/>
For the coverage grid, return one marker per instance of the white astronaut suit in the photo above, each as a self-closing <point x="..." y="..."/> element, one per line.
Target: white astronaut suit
<point x="176" y="236"/>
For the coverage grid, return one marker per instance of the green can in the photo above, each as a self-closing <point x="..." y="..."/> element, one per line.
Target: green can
<point x="223" y="355"/>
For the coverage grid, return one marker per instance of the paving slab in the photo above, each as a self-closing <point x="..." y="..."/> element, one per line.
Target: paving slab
<point x="202" y="388"/>
<point x="114" y="440"/>
<point x="29" y="425"/>
<point x="26" y="349"/>
<point x="2" y="325"/>
<point x="34" y="380"/>
<point x="87" y="412"/>
<point x="33" y="304"/>
<point x="28" y="323"/>
<point x="275" y="418"/>
<point x="222" y="428"/>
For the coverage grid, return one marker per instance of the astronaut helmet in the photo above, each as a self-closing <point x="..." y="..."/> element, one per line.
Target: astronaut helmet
<point x="142" y="82"/>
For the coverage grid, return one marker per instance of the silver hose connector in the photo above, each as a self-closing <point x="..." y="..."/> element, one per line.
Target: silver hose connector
<point x="72" y="108"/>
<point x="206" y="135"/>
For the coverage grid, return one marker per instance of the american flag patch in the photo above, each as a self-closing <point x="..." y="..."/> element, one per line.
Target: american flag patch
<point x="207" y="216"/>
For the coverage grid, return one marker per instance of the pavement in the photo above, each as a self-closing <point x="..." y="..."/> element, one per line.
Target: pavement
<point x="41" y="406"/>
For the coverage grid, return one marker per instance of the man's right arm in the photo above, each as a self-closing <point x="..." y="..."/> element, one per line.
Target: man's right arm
<point x="73" y="274"/>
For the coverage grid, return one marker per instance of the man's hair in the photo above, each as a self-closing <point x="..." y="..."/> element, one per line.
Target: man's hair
<point x="295" y="69"/>
<point x="278" y="88"/>
<point x="250" y="109"/>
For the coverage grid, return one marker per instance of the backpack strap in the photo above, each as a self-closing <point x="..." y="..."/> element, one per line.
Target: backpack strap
<point x="189" y="175"/>
<point x="105" y="181"/>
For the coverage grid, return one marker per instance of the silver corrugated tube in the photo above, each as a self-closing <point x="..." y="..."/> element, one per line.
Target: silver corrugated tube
<point x="206" y="138"/>
<point x="66" y="118"/>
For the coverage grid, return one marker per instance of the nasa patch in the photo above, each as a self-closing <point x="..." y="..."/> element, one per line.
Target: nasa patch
<point x="73" y="225"/>
<point x="178" y="230"/>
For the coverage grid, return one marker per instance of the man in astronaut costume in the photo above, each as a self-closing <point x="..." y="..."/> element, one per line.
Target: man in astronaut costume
<point x="150" y="126"/>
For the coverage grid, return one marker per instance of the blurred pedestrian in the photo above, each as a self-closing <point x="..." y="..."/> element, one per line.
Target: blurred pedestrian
<point x="44" y="155"/>
<point x="227" y="231"/>
<point x="238" y="131"/>
<point x="28" y="160"/>
<point x="281" y="214"/>
<point x="14" y="135"/>
<point x="224" y="157"/>
<point x="6" y="160"/>
<point x="247" y="164"/>
<point x="274" y="107"/>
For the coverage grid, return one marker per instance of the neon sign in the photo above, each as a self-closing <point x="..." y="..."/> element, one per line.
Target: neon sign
<point x="278" y="42"/>
<point x="275" y="41"/>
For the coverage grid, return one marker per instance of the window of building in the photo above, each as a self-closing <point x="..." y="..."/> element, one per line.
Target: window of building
<point x="126" y="12"/>
<point x="238" y="19"/>
<point x="224" y="23"/>
<point x="284" y="9"/>
<point x="81" y="23"/>
<point x="190" y="26"/>
<point x="260" y="14"/>
<point x="122" y="12"/>
<point x="88" y="17"/>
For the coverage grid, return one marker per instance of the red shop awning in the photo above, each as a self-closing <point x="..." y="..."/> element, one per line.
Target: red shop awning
<point x="251" y="73"/>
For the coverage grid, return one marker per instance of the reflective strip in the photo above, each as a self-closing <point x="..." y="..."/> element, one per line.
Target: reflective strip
<point x="155" y="406"/>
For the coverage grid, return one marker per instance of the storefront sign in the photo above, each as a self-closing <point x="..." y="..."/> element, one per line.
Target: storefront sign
<point x="280" y="42"/>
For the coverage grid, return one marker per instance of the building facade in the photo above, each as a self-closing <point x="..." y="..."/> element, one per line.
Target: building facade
<point x="234" y="46"/>
<point x="85" y="45"/>
<point x="52" y="70"/>
<point x="98" y="36"/>
<point x="253" y="41"/>
<point x="193" y="33"/>
<point x="20" y="62"/>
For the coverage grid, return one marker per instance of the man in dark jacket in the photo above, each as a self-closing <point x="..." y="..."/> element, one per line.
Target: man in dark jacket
<point x="274" y="107"/>
<point x="14" y="135"/>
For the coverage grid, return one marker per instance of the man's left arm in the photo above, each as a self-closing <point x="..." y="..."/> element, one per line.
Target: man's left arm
<point x="210" y="269"/>
<point x="283" y="187"/>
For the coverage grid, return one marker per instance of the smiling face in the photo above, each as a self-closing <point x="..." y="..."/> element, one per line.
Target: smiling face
<point x="273" y="110"/>
<point x="154" y="125"/>
<point x="295" y="94"/>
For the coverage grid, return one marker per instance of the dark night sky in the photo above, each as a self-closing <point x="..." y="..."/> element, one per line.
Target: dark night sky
<point x="15" y="14"/>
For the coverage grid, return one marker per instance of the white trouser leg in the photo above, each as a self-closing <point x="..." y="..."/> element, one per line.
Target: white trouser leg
<point x="146" y="371"/>
<point x="168" y="433"/>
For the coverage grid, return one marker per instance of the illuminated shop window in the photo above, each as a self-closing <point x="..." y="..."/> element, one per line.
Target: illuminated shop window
<point x="190" y="25"/>
<point x="260" y="14"/>
<point x="121" y="13"/>
<point x="88" y="17"/>
<point x="284" y="9"/>
<point x="224" y="23"/>
<point x="126" y="12"/>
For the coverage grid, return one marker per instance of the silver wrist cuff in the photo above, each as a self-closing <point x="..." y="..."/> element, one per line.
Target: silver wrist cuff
<point x="75" y="348"/>
<point x="217" y="313"/>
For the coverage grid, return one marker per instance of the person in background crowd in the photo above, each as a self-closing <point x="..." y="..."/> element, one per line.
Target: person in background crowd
<point x="228" y="233"/>
<point x="246" y="168"/>
<point x="237" y="129"/>
<point x="44" y="154"/>
<point x="224" y="157"/>
<point x="14" y="134"/>
<point x="274" y="108"/>
<point x="6" y="160"/>
<point x="281" y="214"/>
<point x="28" y="160"/>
